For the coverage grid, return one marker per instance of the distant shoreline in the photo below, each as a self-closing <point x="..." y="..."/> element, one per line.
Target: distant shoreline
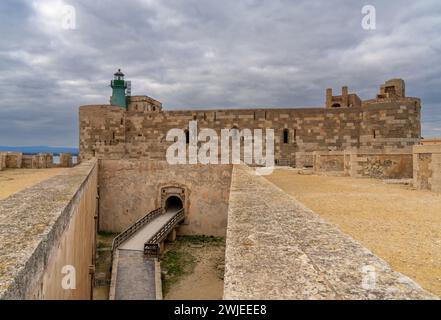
<point x="31" y="150"/>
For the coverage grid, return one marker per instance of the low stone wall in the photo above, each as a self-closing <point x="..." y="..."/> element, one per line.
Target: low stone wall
<point x="17" y="160"/>
<point x="276" y="248"/>
<point x="356" y="163"/>
<point x="427" y="167"/>
<point x="46" y="230"/>
<point x="13" y="159"/>
<point x="304" y="159"/>
<point x="2" y="160"/>
<point x="383" y="165"/>
<point x="331" y="161"/>
<point x="65" y="160"/>
<point x="38" y="161"/>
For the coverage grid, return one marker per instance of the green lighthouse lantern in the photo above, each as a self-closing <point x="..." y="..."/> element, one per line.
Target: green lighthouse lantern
<point x="119" y="87"/>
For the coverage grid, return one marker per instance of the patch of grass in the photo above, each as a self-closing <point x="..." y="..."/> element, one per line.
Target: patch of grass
<point x="107" y="234"/>
<point x="178" y="260"/>
<point x="200" y="240"/>
<point x="102" y="244"/>
<point x="104" y="239"/>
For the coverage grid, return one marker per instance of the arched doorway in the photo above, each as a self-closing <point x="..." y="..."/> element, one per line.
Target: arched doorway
<point x="173" y="203"/>
<point x="173" y="197"/>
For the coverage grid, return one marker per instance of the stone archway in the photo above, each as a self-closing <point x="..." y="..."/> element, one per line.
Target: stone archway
<point x="173" y="197"/>
<point x="173" y="203"/>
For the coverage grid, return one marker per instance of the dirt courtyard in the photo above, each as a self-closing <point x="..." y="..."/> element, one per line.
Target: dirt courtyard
<point x="400" y="225"/>
<point x="15" y="180"/>
<point x="194" y="267"/>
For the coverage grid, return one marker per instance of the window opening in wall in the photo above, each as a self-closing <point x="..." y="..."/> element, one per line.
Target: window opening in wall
<point x="285" y="135"/>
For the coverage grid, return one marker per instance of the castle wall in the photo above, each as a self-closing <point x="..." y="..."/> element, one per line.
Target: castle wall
<point x="112" y="133"/>
<point x="45" y="228"/>
<point x="100" y="126"/>
<point x="427" y="167"/>
<point x="390" y="125"/>
<point x="129" y="189"/>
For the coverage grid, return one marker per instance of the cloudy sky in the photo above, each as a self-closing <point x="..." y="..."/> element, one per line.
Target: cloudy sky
<point x="207" y="53"/>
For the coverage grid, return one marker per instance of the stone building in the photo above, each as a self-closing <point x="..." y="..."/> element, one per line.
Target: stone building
<point x="137" y="128"/>
<point x="356" y="137"/>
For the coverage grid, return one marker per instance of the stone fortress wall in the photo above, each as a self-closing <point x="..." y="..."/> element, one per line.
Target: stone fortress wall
<point x="362" y="138"/>
<point x="390" y="122"/>
<point x="46" y="230"/>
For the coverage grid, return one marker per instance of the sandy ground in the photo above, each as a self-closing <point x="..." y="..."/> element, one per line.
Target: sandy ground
<point x="206" y="280"/>
<point x="400" y="225"/>
<point x="15" y="180"/>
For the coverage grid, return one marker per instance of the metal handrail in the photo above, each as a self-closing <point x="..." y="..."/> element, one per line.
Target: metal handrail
<point x="123" y="236"/>
<point x="151" y="247"/>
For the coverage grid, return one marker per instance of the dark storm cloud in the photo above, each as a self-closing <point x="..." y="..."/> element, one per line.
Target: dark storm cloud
<point x="202" y="54"/>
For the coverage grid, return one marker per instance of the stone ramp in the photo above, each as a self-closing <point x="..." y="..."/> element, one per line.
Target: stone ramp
<point x="135" y="277"/>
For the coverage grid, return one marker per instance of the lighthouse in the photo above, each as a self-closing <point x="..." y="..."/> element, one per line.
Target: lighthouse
<point x="119" y="87"/>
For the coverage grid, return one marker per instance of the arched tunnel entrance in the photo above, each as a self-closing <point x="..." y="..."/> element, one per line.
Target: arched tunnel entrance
<point x="173" y="203"/>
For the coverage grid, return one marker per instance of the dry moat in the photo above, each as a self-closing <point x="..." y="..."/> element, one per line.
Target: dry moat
<point x="192" y="268"/>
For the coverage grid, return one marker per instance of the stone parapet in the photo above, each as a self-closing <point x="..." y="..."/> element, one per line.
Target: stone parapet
<point x="45" y="228"/>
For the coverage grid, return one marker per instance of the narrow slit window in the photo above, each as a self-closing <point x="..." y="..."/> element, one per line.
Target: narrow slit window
<point x="285" y="136"/>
